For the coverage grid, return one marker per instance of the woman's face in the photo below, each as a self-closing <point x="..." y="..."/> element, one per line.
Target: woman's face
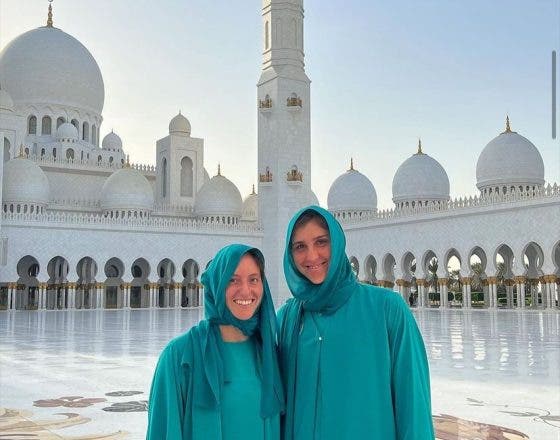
<point x="245" y="289"/>
<point x="311" y="251"/>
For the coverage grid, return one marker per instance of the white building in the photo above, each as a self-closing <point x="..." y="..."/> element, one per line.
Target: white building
<point x="83" y="228"/>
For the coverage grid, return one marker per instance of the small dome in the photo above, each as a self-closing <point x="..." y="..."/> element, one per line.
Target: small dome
<point x="180" y="125"/>
<point x="509" y="159"/>
<point x="6" y="102"/>
<point x="24" y="182"/>
<point x="127" y="189"/>
<point x="251" y="206"/>
<point x="420" y="178"/>
<point x="218" y="197"/>
<point x="48" y="66"/>
<point x="67" y="132"/>
<point x="112" y="142"/>
<point x="352" y="191"/>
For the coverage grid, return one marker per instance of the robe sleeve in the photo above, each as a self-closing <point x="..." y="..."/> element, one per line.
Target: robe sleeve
<point x="168" y="395"/>
<point x="410" y="376"/>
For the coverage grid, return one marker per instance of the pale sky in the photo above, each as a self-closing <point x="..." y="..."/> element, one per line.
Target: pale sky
<point x="383" y="74"/>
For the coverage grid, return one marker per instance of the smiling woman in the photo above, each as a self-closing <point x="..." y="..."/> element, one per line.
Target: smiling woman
<point x="224" y="369"/>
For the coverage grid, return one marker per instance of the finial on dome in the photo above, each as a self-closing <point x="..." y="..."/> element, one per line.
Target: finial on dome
<point x="351" y="164"/>
<point x="419" y="147"/>
<point x="49" y="16"/>
<point x="219" y="169"/>
<point x="253" y="192"/>
<point x="508" y="128"/>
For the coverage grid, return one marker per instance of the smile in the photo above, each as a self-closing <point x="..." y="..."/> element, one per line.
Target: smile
<point x="244" y="302"/>
<point x="316" y="267"/>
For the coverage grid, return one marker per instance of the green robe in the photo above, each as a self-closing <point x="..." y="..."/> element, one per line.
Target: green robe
<point x="172" y="412"/>
<point x="366" y="364"/>
<point x="353" y="361"/>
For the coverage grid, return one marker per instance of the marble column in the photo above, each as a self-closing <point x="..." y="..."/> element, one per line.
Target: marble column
<point x="12" y="289"/>
<point x="520" y="284"/>
<point x="126" y="296"/>
<point x="71" y="296"/>
<point x="467" y="301"/>
<point x="492" y="292"/>
<point x="42" y="296"/>
<point x="99" y="300"/>
<point x="443" y="293"/>
<point x="177" y="290"/>
<point x="421" y="283"/>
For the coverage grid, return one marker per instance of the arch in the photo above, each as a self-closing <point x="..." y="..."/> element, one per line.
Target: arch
<point x="533" y="259"/>
<point x="165" y="272"/>
<point x="59" y="121"/>
<point x="370" y="270"/>
<point x="85" y="131"/>
<point x="85" y="286"/>
<point x="76" y="124"/>
<point x="504" y="260"/>
<point x="187" y="177"/>
<point x="70" y="154"/>
<point x="27" y="295"/>
<point x="190" y="289"/>
<point x="139" y="286"/>
<point x="556" y="258"/>
<point x="164" y="178"/>
<point x="57" y="290"/>
<point x="355" y="266"/>
<point x="94" y="135"/>
<point x="7" y="148"/>
<point x="430" y="265"/>
<point x="389" y="265"/>
<point x="114" y="271"/>
<point x="477" y="274"/>
<point x="32" y="125"/>
<point x="46" y="125"/>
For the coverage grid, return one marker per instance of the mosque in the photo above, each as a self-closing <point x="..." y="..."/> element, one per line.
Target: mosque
<point x="82" y="227"/>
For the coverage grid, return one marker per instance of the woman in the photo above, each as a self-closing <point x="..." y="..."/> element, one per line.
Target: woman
<point x="220" y="380"/>
<point x="352" y="357"/>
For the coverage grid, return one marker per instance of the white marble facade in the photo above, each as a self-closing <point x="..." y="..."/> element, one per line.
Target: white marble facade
<point x="82" y="227"/>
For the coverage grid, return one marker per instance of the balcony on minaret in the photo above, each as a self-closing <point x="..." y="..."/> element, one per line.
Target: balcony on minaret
<point x="266" y="178"/>
<point x="293" y="103"/>
<point x="265" y="105"/>
<point x="294" y="176"/>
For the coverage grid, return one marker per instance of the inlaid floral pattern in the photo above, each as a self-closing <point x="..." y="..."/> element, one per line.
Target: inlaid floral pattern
<point x="69" y="402"/>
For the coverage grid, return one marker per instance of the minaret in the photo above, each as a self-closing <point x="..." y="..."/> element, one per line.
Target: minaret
<point x="284" y="144"/>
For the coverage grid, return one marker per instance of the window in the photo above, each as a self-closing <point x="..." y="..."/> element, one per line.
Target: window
<point x="6" y="149"/>
<point x="46" y="125"/>
<point x="85" y="131"/>
<point x="94" y="135"/>
<point x="32" y="125"/>
<point x="164" y="178"/>
<point x="60" y="121"/>
<point x="70" y="153"/>
<point x="186" y="177"/>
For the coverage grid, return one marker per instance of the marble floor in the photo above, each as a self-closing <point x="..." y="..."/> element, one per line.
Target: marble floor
<point x="86" y="374"/>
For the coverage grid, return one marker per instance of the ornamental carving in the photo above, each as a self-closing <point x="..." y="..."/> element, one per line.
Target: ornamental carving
<point x="294" y="175"/>
<point x="266" y="102"/>
<point x="266" y="177"/>
<point x="293" y="101"/>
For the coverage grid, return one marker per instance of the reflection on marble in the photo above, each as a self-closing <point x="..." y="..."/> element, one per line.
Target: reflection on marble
<point x="492" y="371"/>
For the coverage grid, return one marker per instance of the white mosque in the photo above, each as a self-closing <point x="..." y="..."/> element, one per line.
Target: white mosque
<point x="83" y="228"/>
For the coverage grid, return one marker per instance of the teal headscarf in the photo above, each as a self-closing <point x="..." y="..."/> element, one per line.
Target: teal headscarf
<point x="335" y="290"/>
<point x="326" y="297"/>
<point x="208" y="379"/>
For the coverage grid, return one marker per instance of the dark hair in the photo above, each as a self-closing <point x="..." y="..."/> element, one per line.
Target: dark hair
<point x="306" y="217"/>
<point x="259" y="259"/>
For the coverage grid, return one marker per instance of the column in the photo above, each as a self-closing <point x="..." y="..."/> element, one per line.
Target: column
<point x="126" y="296"/>
<point x="99" y="296"/>
<point x="509" y="292"/>
<point x="421" y="283"/>
<point x="400" y="288"/>
<point x="71" y="296"/>
<point x="177" y="295"/>
<point x="486" y="293"/>
<point x="443" y="292"/>
<point x="520" y="284"/>
<point x="550" y="294"/>
<point x="466" y="292"/>
<point x="12" y="289"/>
<point x="492" y="292"/>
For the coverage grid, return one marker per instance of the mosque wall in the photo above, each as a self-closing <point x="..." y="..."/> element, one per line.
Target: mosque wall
<point x="45" y="240"/>
<point x="515" y="225"/>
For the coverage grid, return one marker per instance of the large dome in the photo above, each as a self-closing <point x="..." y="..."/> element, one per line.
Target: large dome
<point x="509" y="159"/>
<point x="24" y="182"/>
<point x="420" y="178"/>
<point x="218" y="197"/>
<point x="6" y="101"/>
<point x="48" y="66"/>
<point x="352" y="191"/>
<point x="127" y="189"/>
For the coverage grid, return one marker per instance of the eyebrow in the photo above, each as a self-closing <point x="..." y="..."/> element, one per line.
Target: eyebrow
<point x="313" y="239"/>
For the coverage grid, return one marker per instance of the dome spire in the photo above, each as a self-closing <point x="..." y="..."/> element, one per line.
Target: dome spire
<point x="351" y="164"/>
<point x="49" y="15"/>
<point x="253" y="192"/>
<point x="508" y="128"/>
<point x="219" y="169"/>
<point x="419" y="147"/>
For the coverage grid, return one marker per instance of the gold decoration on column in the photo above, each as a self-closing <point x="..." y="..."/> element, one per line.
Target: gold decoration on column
<point x="519" y="279"/>
<point x="49" y="15"/>
<point x="466" y="280"/>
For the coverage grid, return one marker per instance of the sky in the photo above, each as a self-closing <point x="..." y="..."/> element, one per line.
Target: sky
<point x="383" y="75"/>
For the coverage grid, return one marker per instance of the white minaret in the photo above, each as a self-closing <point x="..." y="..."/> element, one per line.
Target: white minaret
<point x="283" y="133"/>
